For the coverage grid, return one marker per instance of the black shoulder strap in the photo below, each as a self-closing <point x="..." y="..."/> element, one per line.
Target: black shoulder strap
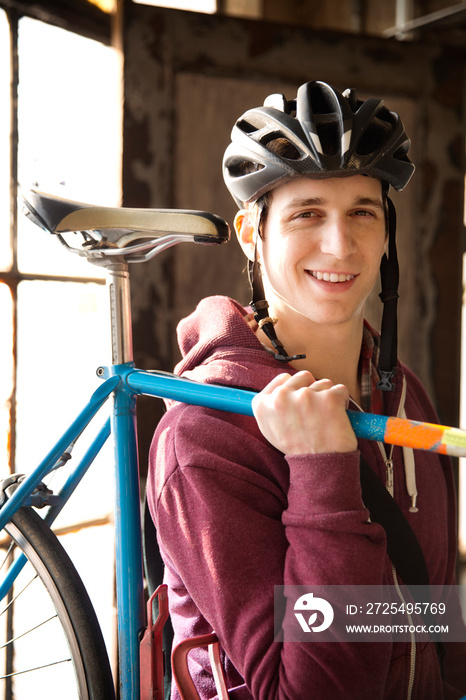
<point x="403" y="547"/>
<point x="402" y="544"/>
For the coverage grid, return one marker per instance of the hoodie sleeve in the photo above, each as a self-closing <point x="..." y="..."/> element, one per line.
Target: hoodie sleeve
<point x="235" y="519"/>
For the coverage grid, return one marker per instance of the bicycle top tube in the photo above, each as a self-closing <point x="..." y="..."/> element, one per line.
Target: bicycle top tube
<point x="119" y="232"/>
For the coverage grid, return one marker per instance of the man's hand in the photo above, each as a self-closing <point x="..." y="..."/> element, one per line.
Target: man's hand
<point x="299" y="415"/>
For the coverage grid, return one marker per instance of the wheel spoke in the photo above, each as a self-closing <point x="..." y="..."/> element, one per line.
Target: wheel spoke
<point x="35" y="668"/>
<point x="24" y="634"/>
<point x="17" y="595"/>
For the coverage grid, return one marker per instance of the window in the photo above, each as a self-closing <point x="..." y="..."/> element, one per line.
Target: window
<point x="62" y="134"/>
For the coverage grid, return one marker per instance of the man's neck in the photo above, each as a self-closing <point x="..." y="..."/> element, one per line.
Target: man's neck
<point x="332" y="352"/>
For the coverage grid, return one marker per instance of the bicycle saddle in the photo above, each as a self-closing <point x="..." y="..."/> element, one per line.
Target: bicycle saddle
<point x="109" y="230"/>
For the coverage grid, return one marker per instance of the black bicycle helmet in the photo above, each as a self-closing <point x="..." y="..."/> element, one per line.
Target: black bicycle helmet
<point x="328" y="133"/>
<point x="322" y="133"/>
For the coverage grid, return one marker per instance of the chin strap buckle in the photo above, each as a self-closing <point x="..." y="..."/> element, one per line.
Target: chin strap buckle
<point x="288" y="358"/>
<point x="386" y="384"/>
<point x="266" y="324"/>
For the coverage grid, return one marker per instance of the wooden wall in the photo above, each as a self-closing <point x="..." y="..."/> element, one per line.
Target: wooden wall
<point x="189" y="76"/>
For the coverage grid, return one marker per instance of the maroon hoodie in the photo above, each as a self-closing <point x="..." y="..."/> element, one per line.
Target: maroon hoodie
<point x="235" y="517"/>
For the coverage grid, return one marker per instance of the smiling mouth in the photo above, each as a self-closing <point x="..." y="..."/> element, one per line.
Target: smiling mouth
<point x="331" y="276"/>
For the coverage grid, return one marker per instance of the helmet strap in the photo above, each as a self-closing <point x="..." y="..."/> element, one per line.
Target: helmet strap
<point x="260" y="307"/>
<point x="389" y="274"/>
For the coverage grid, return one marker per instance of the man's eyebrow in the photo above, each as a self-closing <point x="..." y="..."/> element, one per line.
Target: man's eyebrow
<point x="306" y="202"/>
<point x="320" y="201"/>
<point x="369" y="201"/>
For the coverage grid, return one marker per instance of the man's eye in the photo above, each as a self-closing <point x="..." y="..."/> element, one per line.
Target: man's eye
<point x="306" y="214"/>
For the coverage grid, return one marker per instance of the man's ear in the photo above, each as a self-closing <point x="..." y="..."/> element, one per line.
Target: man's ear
<point x="245" y="232"/>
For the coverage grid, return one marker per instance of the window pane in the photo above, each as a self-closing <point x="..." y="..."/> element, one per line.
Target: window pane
<point x="62" y="339"/>
<point x="6" y="375"/>
<point x="5" y="245"/>
<point x="69" y="133"/>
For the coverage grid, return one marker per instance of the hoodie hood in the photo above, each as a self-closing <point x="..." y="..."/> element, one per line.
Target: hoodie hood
<point x="219" y="347"/>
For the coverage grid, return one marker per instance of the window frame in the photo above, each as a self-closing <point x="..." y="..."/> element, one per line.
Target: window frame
<point x="85" y="19"/>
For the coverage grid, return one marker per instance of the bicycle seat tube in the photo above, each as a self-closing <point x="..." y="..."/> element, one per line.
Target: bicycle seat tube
<point x="120" y="313"/>
<point x="129" y="573"/>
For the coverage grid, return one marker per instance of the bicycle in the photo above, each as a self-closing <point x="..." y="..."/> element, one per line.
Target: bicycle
<point x="114" y="238"/>
<point x="111" y="238"/>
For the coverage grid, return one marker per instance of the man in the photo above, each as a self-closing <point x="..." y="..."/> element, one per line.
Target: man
<point x="243" y="505"/>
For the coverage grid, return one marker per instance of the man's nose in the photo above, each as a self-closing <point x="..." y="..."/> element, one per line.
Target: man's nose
<point x="337" y="239"/>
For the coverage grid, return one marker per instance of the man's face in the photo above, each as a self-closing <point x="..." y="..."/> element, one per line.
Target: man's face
<point x="321" y="249"/>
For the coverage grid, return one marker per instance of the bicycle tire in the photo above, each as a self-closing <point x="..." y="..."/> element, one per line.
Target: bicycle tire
<point x="49" y="580"/>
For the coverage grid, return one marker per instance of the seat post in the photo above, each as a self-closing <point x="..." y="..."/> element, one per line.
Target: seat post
<point x="127" y="511"/>
<point x="120" y="312"/>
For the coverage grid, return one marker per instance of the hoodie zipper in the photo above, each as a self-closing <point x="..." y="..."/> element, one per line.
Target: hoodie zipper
<point x="412" y="664"/>
<point x="389" y="474"/>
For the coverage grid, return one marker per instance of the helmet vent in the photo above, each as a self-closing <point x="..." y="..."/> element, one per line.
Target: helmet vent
<point x="377" y="132"/>
<point x="321" y="100"/>
<point x="329" y="136"/>
<point x="373" y="139"/>
<point x="279" y="145"/>
<point x="247" y="127"/>
<point x="402" y="154"/>
<point x="239" y="167"/>
<point x="254" y="122"/>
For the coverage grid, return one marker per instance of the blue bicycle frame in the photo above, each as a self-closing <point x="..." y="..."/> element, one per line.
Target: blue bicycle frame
<point x="124" y="382"/>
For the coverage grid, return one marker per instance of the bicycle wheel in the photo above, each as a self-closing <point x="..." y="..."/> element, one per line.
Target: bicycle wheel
<point x="51" y="645"/>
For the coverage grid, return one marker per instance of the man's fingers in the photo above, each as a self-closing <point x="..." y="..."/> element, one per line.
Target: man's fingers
<point x="322" y="384"/>
<point x="277" y="381"/>
<point x="295" y="381"/>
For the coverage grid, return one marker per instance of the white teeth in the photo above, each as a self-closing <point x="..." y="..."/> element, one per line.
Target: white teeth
<point x="331" y="276"/>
